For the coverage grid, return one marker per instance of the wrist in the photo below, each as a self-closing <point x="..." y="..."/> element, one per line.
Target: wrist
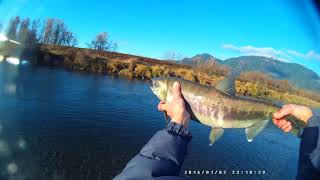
<point x="178" y="129"/>
<point x="304" y="114"/>
<point x="182" y="119"/>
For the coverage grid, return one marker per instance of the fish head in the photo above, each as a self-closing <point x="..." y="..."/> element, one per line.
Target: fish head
<point x="159" y="87"/>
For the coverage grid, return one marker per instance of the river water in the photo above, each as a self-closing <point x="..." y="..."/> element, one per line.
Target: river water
<point x="56" y="124"/>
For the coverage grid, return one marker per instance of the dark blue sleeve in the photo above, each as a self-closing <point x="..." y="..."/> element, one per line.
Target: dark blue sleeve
<point x="309" y="153"/>
<point x="161" y="157"/>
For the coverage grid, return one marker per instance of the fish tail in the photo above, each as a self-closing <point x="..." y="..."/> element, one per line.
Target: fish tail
<point x="296" y="131"/>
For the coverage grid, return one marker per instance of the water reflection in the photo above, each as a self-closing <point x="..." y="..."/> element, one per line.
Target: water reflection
<point x="67" y="125"/>
<point x="13" y="155"/>
<point x="24" y="62"/>
<point x="13" y="60"/>
<point x="1" y="58"/>
<point x="5" y="38"/>
<point x="8" y="78"/>
<point x="4" y="148"/>
<point x="12" y="168"/>
<point x="10" y="89"/>
<point x="22" y="144"/>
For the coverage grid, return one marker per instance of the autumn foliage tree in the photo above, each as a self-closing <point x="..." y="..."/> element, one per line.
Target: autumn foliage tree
<point x="212" y="68"/>
<point x="57" y="33"/>
<point x="52" y="31"/>
<point x="256" y="76"/>
<point x="102" y="43"/>
<point x="172" y="56"/>
<point x="13" y="28"/>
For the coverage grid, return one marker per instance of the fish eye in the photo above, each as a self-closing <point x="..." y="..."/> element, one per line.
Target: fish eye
<point x="156" y="84"/>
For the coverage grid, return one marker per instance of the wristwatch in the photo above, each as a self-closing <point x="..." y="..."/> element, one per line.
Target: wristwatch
<point x="173" y="127"/>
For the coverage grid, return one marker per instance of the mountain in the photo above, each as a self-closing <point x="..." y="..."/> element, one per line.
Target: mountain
<point x="296" y="74"/>
<point x="200" y="58"/>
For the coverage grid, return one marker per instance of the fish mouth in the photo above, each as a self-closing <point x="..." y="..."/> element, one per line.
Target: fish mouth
<point x="151" y="86"/>
<point x="152" y="89"/>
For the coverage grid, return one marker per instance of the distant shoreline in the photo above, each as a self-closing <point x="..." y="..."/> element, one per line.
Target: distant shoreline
<point x="137" y="67"/>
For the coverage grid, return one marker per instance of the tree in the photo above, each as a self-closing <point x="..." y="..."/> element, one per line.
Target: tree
<point x="172" y="56"/>
<point x="13" y="28"/>
<point x="102" y="43"/>
<point x="52" y="31"/>
<point x="68" y="39"/>
<point x="48" y="31"/>
<point x="24" y="32"/>
<point x="34" y="34"/>
<point x="57" y="33"/>
<point x="59" y="30"/>
<point x="212" y="68"/>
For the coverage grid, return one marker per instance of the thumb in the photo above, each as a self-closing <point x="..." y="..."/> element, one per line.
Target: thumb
<point x="286" y="110"/>
<point x="162" y="106"/>
<point x="176" y="89"/>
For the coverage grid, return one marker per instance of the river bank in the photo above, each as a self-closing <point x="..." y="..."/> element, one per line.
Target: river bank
<point x="137" y="67"/>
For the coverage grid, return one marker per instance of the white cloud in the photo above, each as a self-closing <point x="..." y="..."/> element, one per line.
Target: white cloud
<point x="309" y="55"/>
<point x="313" y="55"/>
<point x="280" y="54"/>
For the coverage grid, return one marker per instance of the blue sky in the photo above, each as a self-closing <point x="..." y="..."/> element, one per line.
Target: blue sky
<point x="279" y="29"/>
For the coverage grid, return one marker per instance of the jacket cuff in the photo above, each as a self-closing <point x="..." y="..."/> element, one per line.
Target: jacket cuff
<point x="314" y="121"/>
<point x="178" y="129"/>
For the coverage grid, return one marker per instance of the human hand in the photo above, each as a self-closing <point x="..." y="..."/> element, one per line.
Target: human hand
<point x="176" y="109"/>
<point x="301" y="112"/>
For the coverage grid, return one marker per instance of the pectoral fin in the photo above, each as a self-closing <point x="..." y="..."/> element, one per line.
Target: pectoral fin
<point x="215" y="134"/>
<point x="254" y="130"/>
<point x="166" y="117"/>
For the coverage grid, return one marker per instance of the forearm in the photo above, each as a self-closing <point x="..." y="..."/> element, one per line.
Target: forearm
<point x="163" y="155"/>
<point x="309" y="155"/>
<point x="312" y="132"/>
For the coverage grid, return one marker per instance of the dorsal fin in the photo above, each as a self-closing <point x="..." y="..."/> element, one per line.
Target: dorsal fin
<point x="227" y="85"/>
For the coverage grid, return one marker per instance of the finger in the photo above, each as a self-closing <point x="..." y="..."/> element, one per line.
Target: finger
<point x="286" y="126"/>
<point x="282" y="122"/>
<point x="162" y="102"/>
<point x="162" y="106"/>
<point x="176" y="89"/>
<point x="286" y="110"/>
<point x="275" y="121"/>
<point x="288" y="129"/>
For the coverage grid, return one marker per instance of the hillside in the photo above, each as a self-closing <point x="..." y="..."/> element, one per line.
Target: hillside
<point x="199" y="59"/>
<point x="296" y="74"/>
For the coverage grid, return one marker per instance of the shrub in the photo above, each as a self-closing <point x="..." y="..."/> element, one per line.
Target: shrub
<point x="157" y="71"/>
<point x="212" y="68"/>
<point x="143" y="71"/>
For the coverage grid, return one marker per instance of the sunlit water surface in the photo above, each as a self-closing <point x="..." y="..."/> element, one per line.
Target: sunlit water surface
<point x="56" y="124"/>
